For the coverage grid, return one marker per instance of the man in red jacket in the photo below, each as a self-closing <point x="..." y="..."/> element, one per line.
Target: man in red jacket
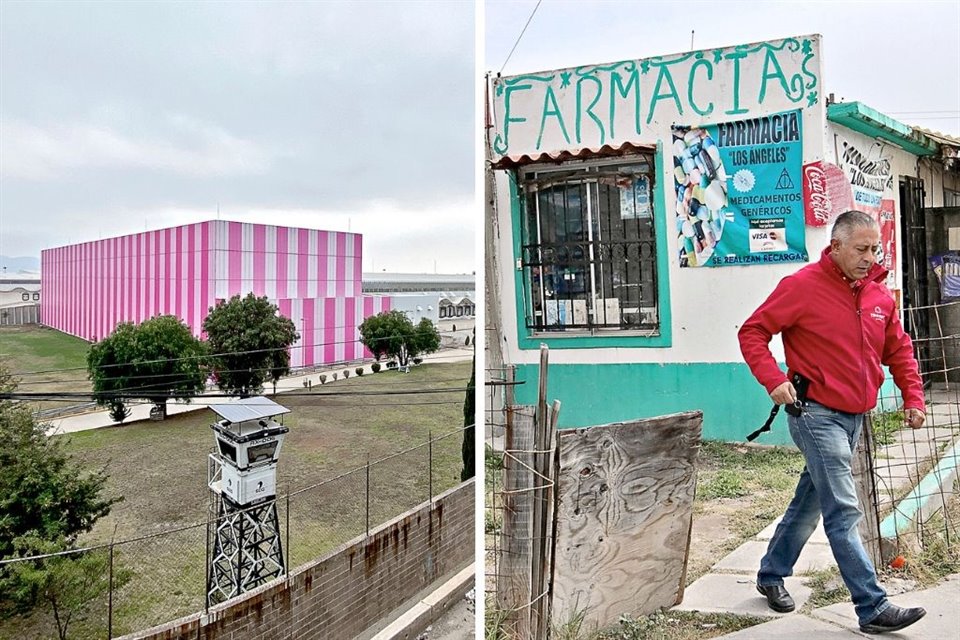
<point x="839" y="324"/>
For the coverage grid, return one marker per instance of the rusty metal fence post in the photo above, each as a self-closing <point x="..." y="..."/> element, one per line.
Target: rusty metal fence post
<point x="110" y="595"/>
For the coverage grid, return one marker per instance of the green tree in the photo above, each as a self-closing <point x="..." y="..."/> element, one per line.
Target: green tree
<point x="69" y="586"/>
<point x="393" y="334"/>
<point x="467" y="447"/>
<point x="250" y="342"/>
<point x="45" y="497"/>
<point x="156" y="360"/>
<point x="427" y="338"/>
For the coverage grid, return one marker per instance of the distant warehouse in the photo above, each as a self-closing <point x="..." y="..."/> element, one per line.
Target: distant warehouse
<point x="313" y="276"/>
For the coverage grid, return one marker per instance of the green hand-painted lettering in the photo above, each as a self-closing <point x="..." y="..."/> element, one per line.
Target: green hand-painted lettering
<point x="736" y="56"/>
<point x="551" y="108"/>
<point x="618" y="89"/>
<point x="657" y="96"/>
<point x="693" y="70"/>
<point x="589" y="109"/>
<point x="501" y="145"/>
<point x="770" y="59"/>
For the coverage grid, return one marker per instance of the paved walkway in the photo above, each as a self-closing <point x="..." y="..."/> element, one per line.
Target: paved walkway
<point x="101" y="418"/>
<point x="729" y="586"/>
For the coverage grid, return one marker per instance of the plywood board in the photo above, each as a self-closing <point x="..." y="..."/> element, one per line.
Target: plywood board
<point x="624" y="517"/>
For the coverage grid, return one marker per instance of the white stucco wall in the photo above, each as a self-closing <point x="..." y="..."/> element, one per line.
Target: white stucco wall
<point x="707" y="304"/>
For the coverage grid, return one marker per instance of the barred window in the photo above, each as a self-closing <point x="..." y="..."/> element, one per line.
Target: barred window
<point x="588" y="248"/>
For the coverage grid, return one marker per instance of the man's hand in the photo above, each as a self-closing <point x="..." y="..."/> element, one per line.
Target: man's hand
<point x="784" y="394"/>
<point x="915" y="418"/>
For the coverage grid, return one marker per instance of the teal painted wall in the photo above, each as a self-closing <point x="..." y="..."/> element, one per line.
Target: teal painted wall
<point x="732" y="401"/>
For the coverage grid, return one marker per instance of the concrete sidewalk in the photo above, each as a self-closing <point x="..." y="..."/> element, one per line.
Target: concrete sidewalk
<point x="101" y="418"/>
<point x="729" y="586"/>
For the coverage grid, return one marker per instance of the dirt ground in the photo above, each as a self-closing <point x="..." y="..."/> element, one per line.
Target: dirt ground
<point x="712" y="534"/>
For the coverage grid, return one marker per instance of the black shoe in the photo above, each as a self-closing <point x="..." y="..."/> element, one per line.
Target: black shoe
<point x="893" y="618"/>
<point x="777" y="598"/>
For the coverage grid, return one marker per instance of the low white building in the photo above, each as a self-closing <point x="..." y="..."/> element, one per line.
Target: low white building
<point x="20" y="299"/>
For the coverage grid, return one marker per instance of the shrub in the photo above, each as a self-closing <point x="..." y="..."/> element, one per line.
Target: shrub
<point x="346" y="374"/>
<point x="375" y="367"/>
<point x="417" y="360"/>
<point x="335" y="374"/>
<point x="323" y="378"/>
<point x="359" y="371"/>
<point x="466" y="341"/>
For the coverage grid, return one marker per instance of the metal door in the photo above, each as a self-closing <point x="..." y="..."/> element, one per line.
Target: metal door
<point x="916" y="300"/>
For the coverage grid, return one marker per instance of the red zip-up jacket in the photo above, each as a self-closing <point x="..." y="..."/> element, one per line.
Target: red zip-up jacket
<point x="835" y="335"/>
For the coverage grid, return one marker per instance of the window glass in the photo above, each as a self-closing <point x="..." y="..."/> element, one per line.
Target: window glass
<point x="589" y="247"/>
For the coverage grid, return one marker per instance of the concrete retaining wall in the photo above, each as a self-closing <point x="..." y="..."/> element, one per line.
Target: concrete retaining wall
<point x="350" y="589"/>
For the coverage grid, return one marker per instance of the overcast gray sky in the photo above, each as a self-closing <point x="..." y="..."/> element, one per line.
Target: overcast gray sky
<point x="901" y="58"/>
<point x="121" y="116"/>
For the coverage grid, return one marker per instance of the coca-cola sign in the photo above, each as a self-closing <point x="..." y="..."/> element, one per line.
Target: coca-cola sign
<point x="826" y="193"/>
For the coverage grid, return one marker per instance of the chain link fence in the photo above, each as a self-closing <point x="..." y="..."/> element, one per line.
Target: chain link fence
<point x="518" y="510"/>
<point x="130" y="585"/>
<point x="915" y="471"/>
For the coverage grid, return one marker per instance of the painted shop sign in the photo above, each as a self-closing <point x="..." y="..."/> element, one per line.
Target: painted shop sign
<point x="597" y="105"/>
<point x="739" y="192"/>
<point x="870" y="176"/>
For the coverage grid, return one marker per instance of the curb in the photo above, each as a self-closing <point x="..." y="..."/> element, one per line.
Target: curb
<point x="928" y="497"/>
<point x="423" y="613"/>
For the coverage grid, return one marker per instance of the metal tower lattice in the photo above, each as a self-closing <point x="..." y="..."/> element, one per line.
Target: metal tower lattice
<point x="246" y="549"/>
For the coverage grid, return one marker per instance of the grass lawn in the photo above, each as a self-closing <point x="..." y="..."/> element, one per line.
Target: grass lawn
<point x="160" y="469"/>
<point x="26" y="349"/>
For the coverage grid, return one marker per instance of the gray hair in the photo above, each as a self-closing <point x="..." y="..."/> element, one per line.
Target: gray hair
<point x="847" y="221"/>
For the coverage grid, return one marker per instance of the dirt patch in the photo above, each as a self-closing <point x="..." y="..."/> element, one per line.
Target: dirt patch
<point x="712" y="534"/>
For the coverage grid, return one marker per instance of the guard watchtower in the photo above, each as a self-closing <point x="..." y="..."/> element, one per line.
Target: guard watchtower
<point x="242" y="476"/>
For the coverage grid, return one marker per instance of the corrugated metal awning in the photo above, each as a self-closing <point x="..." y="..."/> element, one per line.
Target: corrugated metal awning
<point x="941" y="138"/>
<point x="584" y="153"/>
<point x="244" y="409"/>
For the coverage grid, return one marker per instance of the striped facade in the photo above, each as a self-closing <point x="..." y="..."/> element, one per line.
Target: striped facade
<point x="314" y="277"/>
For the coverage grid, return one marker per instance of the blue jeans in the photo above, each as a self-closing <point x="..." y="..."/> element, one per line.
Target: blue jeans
<point x="827" y="439"/>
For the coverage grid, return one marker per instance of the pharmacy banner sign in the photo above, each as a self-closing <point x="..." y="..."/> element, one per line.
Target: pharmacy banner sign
<point x="740" y="192"/>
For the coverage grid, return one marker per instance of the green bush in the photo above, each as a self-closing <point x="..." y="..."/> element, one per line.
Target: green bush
<point x="885" y="425"/>
<point x="359" y="371"/>
<point x="335" y="374"/>
<point x="375" y="367"/>
<point x="346" y="374"/>
<point x="323" y="378"/>
<point x="417" y="360"/>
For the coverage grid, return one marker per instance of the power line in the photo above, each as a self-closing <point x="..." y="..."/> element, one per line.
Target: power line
<point x="524" y="30"/>
<point x="900" y="113"/>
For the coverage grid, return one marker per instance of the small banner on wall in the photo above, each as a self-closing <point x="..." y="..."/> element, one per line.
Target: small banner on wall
<point x="740" y="192"/>
<point x="870" y="178"/>
<point x="887" y="217"/>
<point x="826" y="193"/>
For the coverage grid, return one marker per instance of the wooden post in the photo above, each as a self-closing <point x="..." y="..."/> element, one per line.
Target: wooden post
<point x="865" y="481"/>
<point x="537" y="624"/>
<point x="513" y="577"/>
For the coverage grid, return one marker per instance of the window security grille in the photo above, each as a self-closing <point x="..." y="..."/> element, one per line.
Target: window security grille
<point x="588" y="248"/>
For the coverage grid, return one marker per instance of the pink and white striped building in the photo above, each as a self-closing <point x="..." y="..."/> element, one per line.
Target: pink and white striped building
<point x="313" y="276"/>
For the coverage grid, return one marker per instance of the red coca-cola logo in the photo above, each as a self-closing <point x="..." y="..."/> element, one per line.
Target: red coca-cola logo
<point x="816" y="201"/>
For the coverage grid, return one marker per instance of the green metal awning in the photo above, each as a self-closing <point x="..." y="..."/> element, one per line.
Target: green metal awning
<point x="870" y="122"/>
